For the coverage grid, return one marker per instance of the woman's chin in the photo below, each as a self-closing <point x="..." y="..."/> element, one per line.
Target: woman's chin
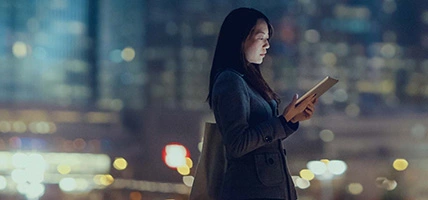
<point x="257" y="62"/>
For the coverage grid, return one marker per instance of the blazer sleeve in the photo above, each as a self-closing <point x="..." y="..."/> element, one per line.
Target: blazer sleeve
<point x="231" y="106"/>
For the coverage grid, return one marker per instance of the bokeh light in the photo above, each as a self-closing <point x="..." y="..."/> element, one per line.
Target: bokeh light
<point x="135" y="196"/>
<point x="19" y="127"/>
<point x="329" y="59"/>
<point x="340" y="95"/>
<point x="103" y="179"/>
<point x="19" y="49"/>
<point x="3" y="183"/>
<point x="327" y="169"/>
<point x="302" y="183"/>
<point x="312" y="36"/>
<point x="327" y="135"/>
<point x="5" y="126"/>
<point x="337" y="167"/>
<point x="20" y="160"/>
<point x="116" y="56"/>
<point x="128" y="54"/>
<point x="352" y="110"/>
<point x="307" y="174"/>
<point x="355" y="188"/>
<point x="79" y="143"/>
<point x="120" y="163"/>
<point x="19" y="176"/>
<point x="67" y="184"/>
<point x="317" y="167"/>
<point x="174" y="155"/>
<point x="63" y="169"/>
<point x="400" y="164"/>
<point x="383" y="182"/>
<point x="391" y="185"/>
<point x="188" y="180"/>
<point x="183" y="170"/>
<point x="31" y="190"/>
<point x="189" y="162"/>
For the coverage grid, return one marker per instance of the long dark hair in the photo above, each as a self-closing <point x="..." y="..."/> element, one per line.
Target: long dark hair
<point x="237" y="26"/>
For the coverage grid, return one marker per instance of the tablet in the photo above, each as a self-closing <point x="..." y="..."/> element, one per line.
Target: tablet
<point x="319" y="89"/>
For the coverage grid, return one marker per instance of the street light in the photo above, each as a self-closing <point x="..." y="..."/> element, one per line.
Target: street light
<point x="174" y="155"/>
<point x="326" y="171"/>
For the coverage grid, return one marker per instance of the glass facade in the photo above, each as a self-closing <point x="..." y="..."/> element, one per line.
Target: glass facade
<point x="90" y="53"/>
<point x="120" y="39"/>
<point x="44" y="53"/>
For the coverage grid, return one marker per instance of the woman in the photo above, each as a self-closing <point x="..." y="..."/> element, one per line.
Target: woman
<point x="246" y="111"/>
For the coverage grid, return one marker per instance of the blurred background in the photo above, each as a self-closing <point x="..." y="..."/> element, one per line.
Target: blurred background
<point x="105" y="99"/>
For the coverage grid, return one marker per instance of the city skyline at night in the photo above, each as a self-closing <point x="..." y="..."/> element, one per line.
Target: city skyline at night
<point x="125" y="79"/>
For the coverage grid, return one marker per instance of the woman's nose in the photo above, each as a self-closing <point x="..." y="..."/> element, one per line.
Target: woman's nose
<point x="266" y="45"/>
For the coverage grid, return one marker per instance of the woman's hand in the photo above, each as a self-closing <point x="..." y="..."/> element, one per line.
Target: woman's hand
<point x="301" y="112"/>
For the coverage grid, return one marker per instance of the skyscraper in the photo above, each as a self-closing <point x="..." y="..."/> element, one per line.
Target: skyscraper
<point x="44" y="52"/>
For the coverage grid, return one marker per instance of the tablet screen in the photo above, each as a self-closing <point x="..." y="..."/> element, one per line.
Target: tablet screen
<point x="319" y="89"/>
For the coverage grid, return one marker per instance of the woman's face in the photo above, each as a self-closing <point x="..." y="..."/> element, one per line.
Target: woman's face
<point x="257" y="43"/>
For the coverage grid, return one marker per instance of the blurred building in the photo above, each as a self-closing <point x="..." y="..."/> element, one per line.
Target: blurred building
<point x="61" y="90"/>
<point x="125" y="79"/>
<point x="46" y="52"/>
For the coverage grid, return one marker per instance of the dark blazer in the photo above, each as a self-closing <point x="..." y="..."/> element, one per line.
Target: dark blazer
<point x="252" y="133"/>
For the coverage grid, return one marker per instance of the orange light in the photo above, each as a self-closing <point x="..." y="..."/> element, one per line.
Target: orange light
<point x="135" y="196"/>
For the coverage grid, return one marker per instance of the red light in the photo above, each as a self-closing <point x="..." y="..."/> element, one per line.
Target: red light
<point x="174" y="155"/>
